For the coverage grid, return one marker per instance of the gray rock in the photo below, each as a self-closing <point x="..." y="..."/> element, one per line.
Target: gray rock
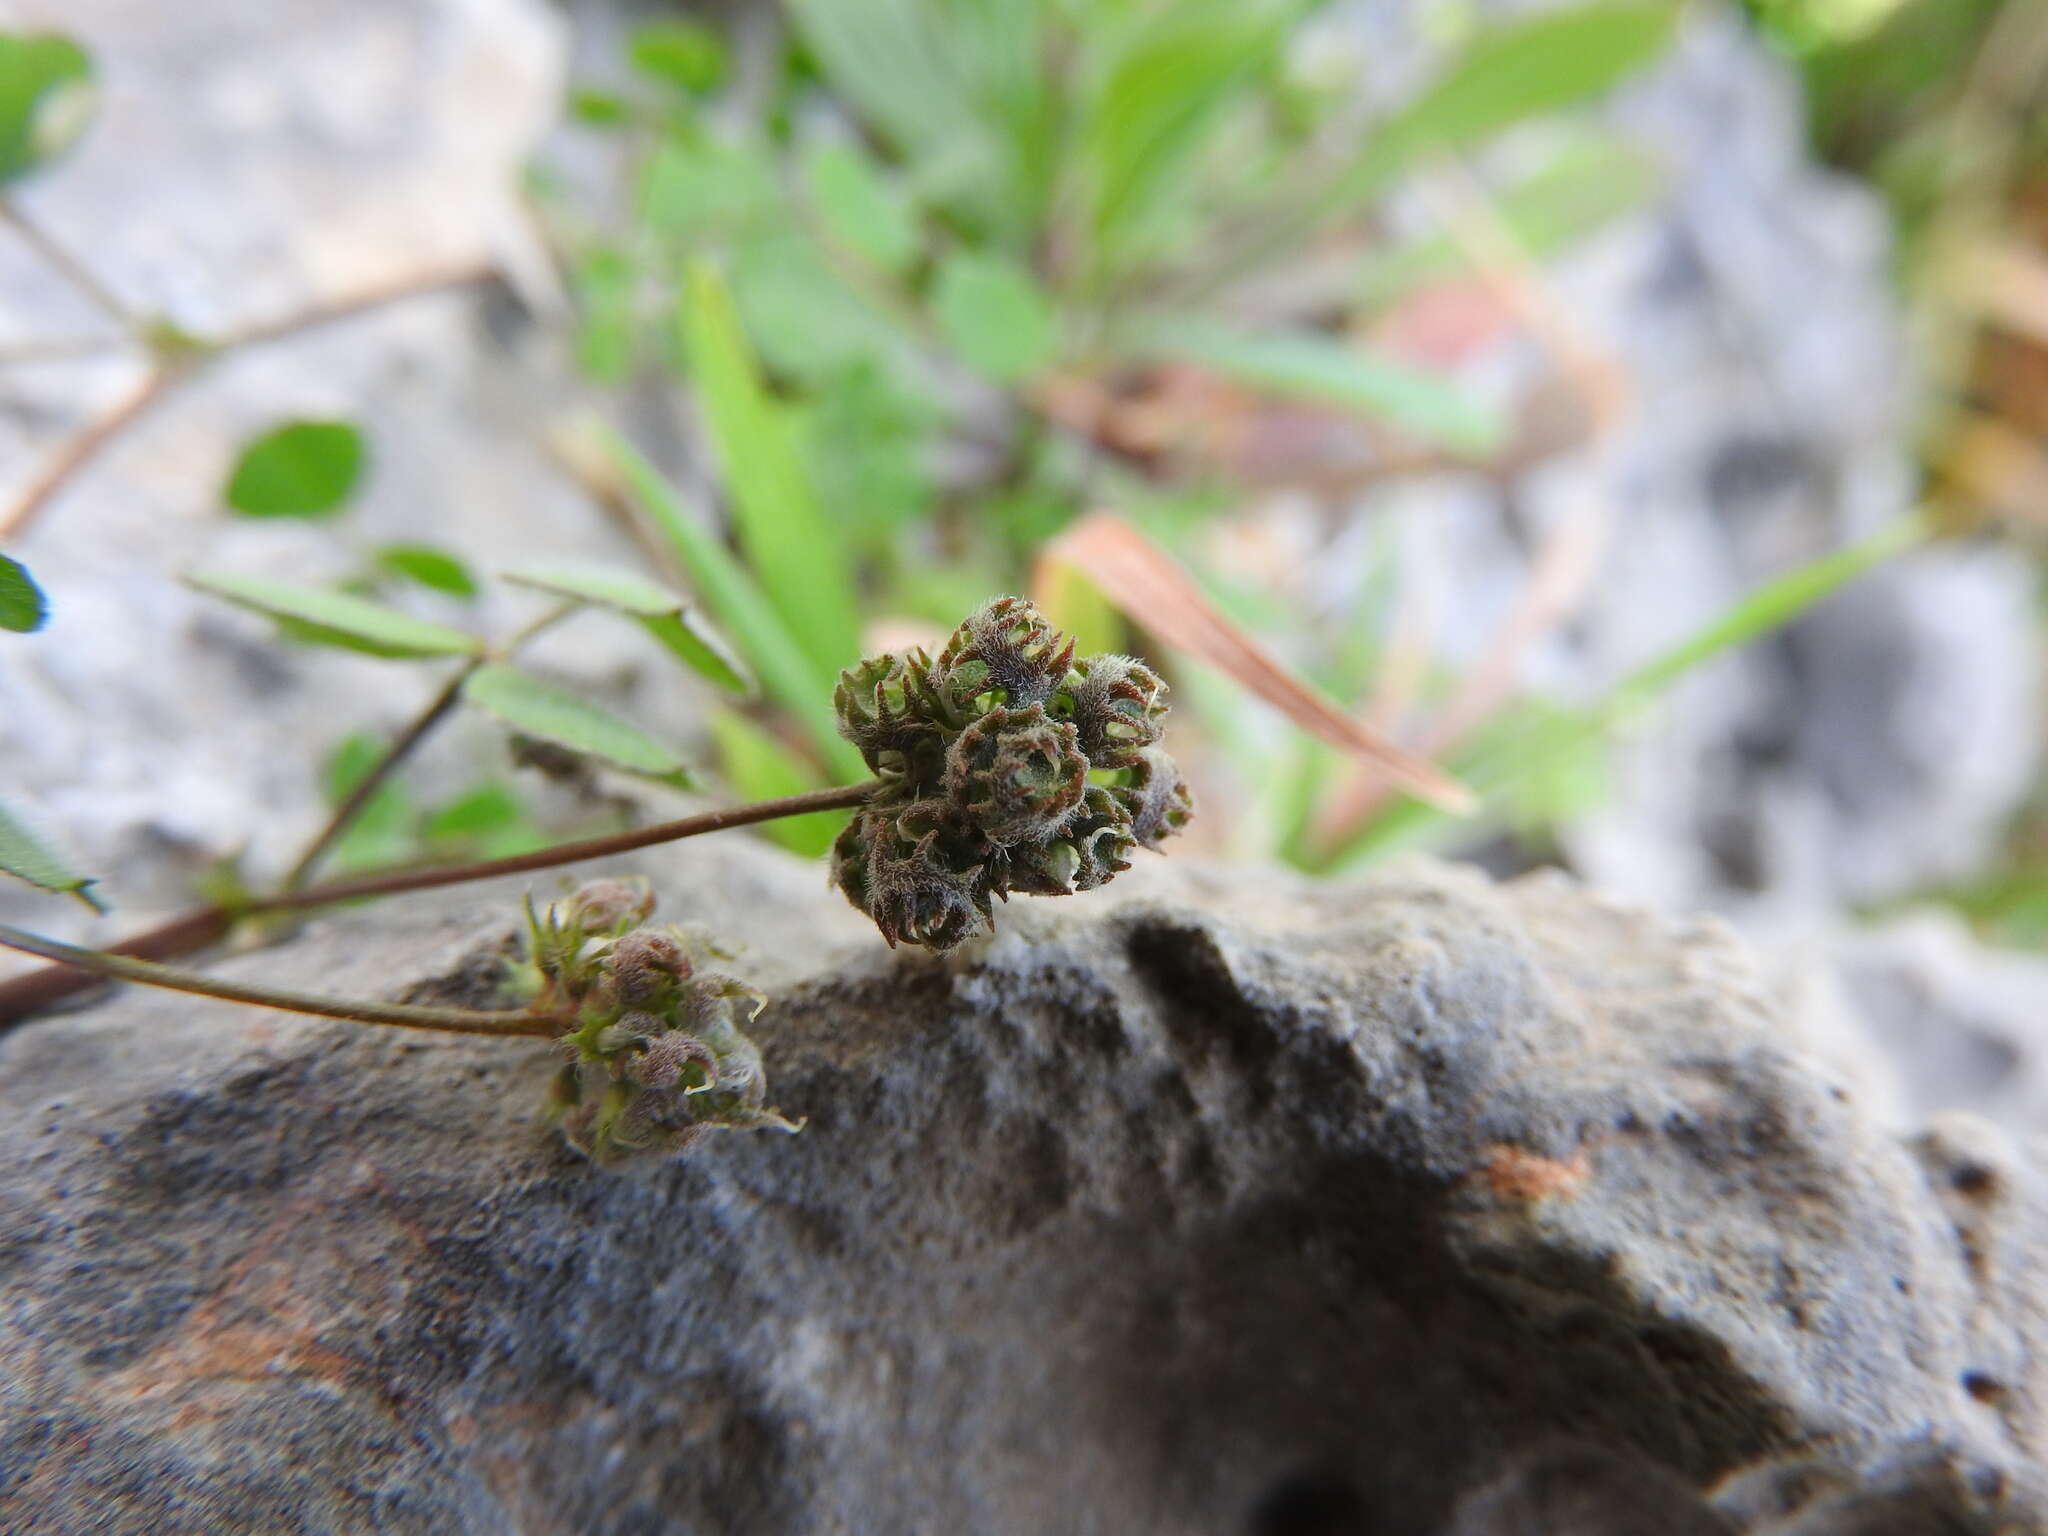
<point x="1213" y="1203"/>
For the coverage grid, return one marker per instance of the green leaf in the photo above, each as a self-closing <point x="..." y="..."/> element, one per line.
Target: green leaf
<point x="861" y="210"/>
<point x="607" y="586"/>
<point x="1159" y="102"/>
<point x="868" y="445"/>
<point x="490" y="822"/>
<point x="890" y="59"/>
<point x="337" y="618"/>
<point x="1310" y="366"/>
<point x="1517" y="71"/>
<point x="1583" y="189"/>
<point x="598" y="109"/>
<point x="46" y="99"/>
<point x="606" y="282"/>
<point x="759" y="767"/>
<point x="680" y="53"/>
<point x="787" y="675"/>
<point x="26" y="857"/>
<point x="301" y="469"/>
<point x="537" y="708"/>
<point x="994" y="315"/>
<point x="433" y="568"/>
<point x="706" y="188"/>
<point x="797" y="554"/>
<point x="661" y="612"/>
<point x="806" y="320"/>
<point x="23" y="608"/>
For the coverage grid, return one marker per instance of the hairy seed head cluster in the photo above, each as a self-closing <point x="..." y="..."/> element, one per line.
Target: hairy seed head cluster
<point x="659" y="1054"/>
<point x="1006" y="764"/>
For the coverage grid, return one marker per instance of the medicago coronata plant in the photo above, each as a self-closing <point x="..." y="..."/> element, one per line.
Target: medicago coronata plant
<point x="1003" y="765"/>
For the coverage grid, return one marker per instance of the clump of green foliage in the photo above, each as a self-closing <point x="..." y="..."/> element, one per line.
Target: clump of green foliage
<point x="1004" y="765"/>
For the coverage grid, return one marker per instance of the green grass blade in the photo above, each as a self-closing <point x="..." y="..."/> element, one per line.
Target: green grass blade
<point x="1308" y="366"/>
<point x="759" y="767"/>
<point x="798" y="556"/>
<point x="535" y="707"/>
<point x="787" y="675"/>
<point x="1514" y="72"/>
<point x="659" y="611"/>
<point x="1539" y="756"/>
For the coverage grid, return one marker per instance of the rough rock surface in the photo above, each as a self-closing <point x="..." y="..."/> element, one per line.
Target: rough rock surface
<point x="1215" y="1203"/>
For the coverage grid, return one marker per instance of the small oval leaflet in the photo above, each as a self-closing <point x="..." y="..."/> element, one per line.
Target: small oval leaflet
<point x="26" y="857"/>
<point x="23" y="608"/>
<point x="353" y="623"/>
<point x="300" y="469"/>
<point x="539" y="708"/>
<point x="659" y="611"/>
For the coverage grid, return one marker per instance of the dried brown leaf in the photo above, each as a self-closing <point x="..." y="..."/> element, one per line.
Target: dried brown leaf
<point x="1142" y="580"/>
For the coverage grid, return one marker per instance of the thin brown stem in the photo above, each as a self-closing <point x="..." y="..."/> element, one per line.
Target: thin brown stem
<point x="171" y="371"/>
<point x="466" y="1021"/>
<point x="81" y="450"/>
<point x="438" y="709"/>
<point x="839" y="798"/>
<point x="182" y="935"/>
<point x="442" y="705"/>
<point x="80" y="276"/>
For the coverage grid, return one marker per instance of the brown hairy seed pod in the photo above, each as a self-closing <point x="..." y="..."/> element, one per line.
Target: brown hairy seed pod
<point x="1118" y="705"/>
<point x="609" y="906"/>
<point x="884" y="707"/>
<point x="643" y="965"/>
<point x="921" y="894"/>
<point x="1005" y="647"/>
<point x="660" y="1063"/>
<point x="1016" y="774"/>
<point x="1156" y="797"/>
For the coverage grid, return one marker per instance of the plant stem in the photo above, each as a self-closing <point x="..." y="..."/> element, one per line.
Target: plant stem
<point x="467" y="1021"/>
<point x="190" y="931"/>
<point x="438" y="709"/>
<point x="839" y="798"/>
<point x="442" y="705"/>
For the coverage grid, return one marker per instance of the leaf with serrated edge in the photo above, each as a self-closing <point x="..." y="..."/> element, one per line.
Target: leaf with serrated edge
<point x="537" y="708"/>
<point x="26" y="857"/>
<point x="337" y="618"/>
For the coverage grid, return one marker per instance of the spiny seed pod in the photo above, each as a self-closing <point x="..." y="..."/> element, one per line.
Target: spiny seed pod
<point x="1004" y="647"/>
<point x="643" y="965"/>
<point x="985" y="757"/>
<point x="889" y="709"/>
<point x="1156" y="797"/>
<point x="923" y="892"/>
<point x="664" y="1061"/>
<point x="609" y="906"/>
<point x="1016" y="774"/>
<point x="1118" y="705"/>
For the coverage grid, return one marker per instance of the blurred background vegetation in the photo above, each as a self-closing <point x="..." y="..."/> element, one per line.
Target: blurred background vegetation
<point x="973" y="296"/>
